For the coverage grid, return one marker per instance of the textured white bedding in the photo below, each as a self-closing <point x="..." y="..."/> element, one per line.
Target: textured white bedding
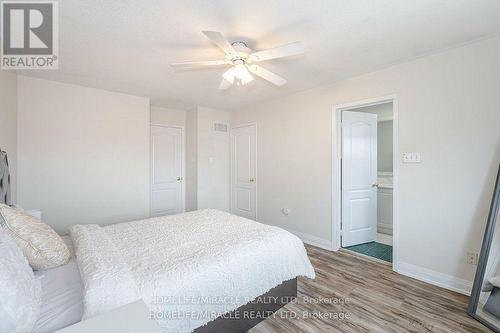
<point x="194" y="266"/>
<point x="62" y="296"/>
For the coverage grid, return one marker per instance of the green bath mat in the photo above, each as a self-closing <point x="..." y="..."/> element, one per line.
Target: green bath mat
<point x="374" y="249"/>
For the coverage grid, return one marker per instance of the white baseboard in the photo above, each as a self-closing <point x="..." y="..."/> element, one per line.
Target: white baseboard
<point x="436" y="278"/>
<point x="420" y="273"/>
<point x="313" y="240"/>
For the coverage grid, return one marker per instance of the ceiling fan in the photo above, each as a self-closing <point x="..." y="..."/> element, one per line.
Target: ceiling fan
<point x="242" y="61"/>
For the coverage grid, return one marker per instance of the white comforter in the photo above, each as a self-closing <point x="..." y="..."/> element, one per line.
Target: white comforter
<point x="188" y="268"/>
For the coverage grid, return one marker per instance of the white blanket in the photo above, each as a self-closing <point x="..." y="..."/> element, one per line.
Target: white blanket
<point x="189" y="268"/>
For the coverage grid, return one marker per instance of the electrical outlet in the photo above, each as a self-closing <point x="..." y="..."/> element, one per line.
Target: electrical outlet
<point x="472" y="258"/>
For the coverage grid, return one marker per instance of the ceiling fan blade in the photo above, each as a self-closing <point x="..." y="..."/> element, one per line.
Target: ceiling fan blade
<point x="278" y="52"/>
<point x="194" y="64"/>
<point x="225" y="84"/>
<point x="220" y="41"/>
<point x="267" y="75"/>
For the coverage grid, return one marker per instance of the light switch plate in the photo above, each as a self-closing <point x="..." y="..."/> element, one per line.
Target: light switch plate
<point x="412" y="158"/>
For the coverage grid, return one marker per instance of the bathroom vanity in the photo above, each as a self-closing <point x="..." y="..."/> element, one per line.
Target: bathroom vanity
<point x="384" y="203"/>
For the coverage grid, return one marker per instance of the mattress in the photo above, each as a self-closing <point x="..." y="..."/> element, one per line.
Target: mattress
<point x="62" y="295"/>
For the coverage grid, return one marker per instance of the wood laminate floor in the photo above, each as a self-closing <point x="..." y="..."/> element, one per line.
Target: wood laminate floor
<point x="371" y="298"/>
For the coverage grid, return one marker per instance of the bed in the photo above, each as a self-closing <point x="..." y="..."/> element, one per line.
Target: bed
<point x="196" y="271"/>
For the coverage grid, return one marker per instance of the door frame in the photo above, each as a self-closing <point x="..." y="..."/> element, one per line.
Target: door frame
<point x="232" y="166"/>
<point x="183" y="164"/>
<point x="337" y="173"/>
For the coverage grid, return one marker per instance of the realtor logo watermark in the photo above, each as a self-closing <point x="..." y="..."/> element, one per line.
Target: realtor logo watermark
<point x="30" y="35"/>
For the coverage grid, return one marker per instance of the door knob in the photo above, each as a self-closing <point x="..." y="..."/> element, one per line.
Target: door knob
<point x="251" y="180"/>
<point x="179" y="179"/>
<point x="375" y="185"/>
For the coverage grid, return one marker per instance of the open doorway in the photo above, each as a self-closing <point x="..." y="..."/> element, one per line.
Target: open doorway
<point x="364" y="178"/>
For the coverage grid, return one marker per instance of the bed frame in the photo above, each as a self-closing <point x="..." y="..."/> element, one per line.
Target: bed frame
<point x="247" y="316"/>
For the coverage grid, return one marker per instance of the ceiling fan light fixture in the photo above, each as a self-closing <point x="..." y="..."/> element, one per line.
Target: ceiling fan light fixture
<point x="229" y="75"/>
<point x="238" y="74"/>
<point x="242" y="74"/>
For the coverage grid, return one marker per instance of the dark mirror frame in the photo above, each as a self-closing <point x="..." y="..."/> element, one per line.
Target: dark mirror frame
<point x="483" y="256"/>
<point x="4" y="179"/>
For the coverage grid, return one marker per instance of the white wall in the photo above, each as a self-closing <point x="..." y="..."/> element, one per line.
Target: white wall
<point x="164" y="116"/>
<point x="213" y="160"/>
<point x="8" y="123"/>
<point x="83" y="153"/>
<point x="448" y="111"/>
<point x="192" y="160"/>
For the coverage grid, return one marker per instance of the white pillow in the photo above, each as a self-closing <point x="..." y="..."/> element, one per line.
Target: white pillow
<point x="41" y="245"/>
<point x="20" y="290"/>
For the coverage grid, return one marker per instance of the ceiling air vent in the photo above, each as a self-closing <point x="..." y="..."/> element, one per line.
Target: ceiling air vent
<point x="220" y="127"/>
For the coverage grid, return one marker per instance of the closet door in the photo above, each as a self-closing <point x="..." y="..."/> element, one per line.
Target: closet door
<point x="167" y="170"/>
<point x="243" y="171"/>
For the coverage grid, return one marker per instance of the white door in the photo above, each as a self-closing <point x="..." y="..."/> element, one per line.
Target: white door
<point x="167" y="170"/>
<point x="359" y="178"/>
<point x="243" y="171"/>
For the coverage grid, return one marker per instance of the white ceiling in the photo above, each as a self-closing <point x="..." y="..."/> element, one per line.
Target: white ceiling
<point x="127" y="45"/>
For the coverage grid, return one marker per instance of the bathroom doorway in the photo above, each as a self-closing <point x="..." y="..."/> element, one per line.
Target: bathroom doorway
<point x="366" y="161"/>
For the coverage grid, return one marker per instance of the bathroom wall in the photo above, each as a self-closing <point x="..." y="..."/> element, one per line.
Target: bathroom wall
<point x="384" y="146"/>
